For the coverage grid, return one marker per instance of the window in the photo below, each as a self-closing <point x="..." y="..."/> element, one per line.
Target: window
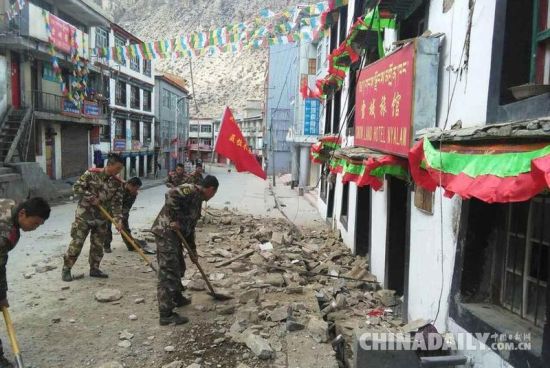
<point x="147" y="67"/>
<point x="120" y="42"/>
<point x="101" y="37"/>
<point x="135" y="130"/>
<point x="135" y="102"/>
<point x="527" y="60"/>
<point x="345" y="204"/>
<point x="120" y="129"/>
<point x="105" y="133"/>
<point x="206" y="128"/>
<point x="206" y="142"/>
<point x="134" y="64"/>
<point x="166" y="99"/>
<point x="526" y="259"/>
<point x="312" y="66"/>
<point x="193" y="128"/>
<point x="120" y="93"/>
<point x="146" y="133"/>
<point x="146" y="100"/>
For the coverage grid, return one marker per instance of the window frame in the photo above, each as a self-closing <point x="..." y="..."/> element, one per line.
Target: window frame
<point x="147" y="100"/>
<point x="121" y="98"/>
<point x="135" y="99"/>
<point x="135" y="129"/>
<point x="120" y="124"/>
<point x="103" y="35"/>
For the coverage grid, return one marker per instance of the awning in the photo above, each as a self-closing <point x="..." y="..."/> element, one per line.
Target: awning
<point x="366" y="167"/>
<point x="493" y="173"/>
<point x="321" y="151"/>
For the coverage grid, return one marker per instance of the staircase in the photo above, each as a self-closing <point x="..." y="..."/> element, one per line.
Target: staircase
<point x="14" y="134"/>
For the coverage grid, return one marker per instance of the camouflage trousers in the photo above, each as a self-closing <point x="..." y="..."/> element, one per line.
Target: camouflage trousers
<point x="79" y="232"/>
<point x="109" y="236"/>
<point x="171" y="269"/>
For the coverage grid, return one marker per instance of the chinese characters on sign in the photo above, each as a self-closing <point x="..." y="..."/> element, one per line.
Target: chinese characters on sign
<point x="312" y="116"/>
<point x="384" y="98"/>
<point x="119" y="144"/>
<point x="69" y="108"/>
<point x="241" y="143"/>
<point x="91" y="109"/>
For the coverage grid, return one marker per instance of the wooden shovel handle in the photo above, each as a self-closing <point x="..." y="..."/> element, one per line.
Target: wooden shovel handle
<point x="195" y="261"/>
<point x="11" y="331"/>
<point x="131" y="240"/>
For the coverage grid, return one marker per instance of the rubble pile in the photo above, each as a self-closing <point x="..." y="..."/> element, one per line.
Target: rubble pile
<point x="289" y="281"/>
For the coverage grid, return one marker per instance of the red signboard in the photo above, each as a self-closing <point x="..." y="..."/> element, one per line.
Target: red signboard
<point x="61" y="34"/>
<point x="384" y="103"/>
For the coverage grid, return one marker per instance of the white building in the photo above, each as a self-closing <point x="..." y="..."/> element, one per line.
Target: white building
<point x="201" y="139"/>
<point x="129" y="86"/>
<point x="469" y="266"/>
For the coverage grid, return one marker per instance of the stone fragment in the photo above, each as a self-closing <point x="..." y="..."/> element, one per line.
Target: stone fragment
<point x="249" y="295"/>
<point x="197" y="285"/>
<point x="139" y="301"/>
<point x="125" y="335"/>
<point x="318" y="329"/>
<point x="132" y="317"/>
<point x="259" y="346"/>
<point x="169" y="349"/>
<point x="108" y="295"/>
<point x="279" y="314"/>
<point x="124" y="344"/>
<point x="174" y="364"/>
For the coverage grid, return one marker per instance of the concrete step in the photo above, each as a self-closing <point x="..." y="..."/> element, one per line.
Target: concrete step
<point x="6" y="178"/>
<point x="5" y="170"/>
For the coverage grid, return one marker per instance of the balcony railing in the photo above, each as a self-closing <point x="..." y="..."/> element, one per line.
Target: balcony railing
<point x="55" y="104"/>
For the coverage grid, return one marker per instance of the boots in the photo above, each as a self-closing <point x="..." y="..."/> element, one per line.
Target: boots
<point x="107" y="249"/>
<point x="172" y="317"/>
<point x="180" y="300"/>
<point x="65" y="276"/>
<point x="5" y="363"/>
<point x="96" y="272"/>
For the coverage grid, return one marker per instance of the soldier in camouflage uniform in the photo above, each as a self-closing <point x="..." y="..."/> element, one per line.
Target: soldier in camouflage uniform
<point x="196" y="177"/>
<point x="182" y="210"/>
<point x="130" y="192"/>
<point x="27" y="217"/>
<point x="95" y="187"/>
<point x="176" y="178"/>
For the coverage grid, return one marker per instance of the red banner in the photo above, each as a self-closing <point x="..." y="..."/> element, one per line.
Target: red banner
<point x="61" y="34"/>
<point x="232" y="145"/>
<point x="384" y="103"/>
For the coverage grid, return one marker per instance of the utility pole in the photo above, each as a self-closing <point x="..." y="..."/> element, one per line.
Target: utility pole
<point x="193" y="86"/>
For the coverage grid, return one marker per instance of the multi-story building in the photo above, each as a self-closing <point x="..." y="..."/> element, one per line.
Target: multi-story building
<point x="48" y="114"/>
<point x="130" y="85"/>
<point x="281" y="94"/>
<point x="200" y="144"/>
<point x="471" y="97"/>
<point x="172" y="119"/>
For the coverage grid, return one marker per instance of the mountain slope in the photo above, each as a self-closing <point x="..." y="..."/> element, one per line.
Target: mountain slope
<point x="219" y="80"/>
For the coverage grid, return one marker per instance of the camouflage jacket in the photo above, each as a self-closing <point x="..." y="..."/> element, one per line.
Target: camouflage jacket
<point x="194" y="178"/>
<point x="175" y="180"/>
<point x="108" y="189"/>
<point x="9" y="236"/>
<point x="183" y="205"/>
<point x="128" y="200"/>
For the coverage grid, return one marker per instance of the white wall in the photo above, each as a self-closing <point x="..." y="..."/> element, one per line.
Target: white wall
<point x="427" y="257"/>
<point x="473" y="87"/>
<point x="379" y="212"/>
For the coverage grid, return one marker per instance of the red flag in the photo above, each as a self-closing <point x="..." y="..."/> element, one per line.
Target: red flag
<point x="232" y="145"/>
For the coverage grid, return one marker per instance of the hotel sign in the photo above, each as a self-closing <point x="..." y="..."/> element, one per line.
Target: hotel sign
<point x="384" y="103"/>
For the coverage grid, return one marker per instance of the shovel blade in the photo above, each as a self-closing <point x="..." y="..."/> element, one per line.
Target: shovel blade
<point x="221" y="297"/>
<point x="19" y="361"/>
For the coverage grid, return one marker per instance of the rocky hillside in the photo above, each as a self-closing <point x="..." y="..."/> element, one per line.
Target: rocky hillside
<point x="220" y="80"/>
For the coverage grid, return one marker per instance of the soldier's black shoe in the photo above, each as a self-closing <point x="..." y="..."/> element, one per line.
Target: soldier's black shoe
<point x="107" y="250"/>
<point x="96" y="272"/>
<point x="65" y="276"/>
<point x="172" y="317"/>
<point x="4" y="363"/>
<point x="180" y="300"/>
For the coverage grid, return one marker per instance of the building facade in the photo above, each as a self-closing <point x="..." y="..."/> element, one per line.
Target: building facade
<point x="172" y="120"/>
<point x="200" y="144"/>
<point x="281" y="95"/>
<point x="473" y="263"/>
<point x="129" y="86"/>
<point x="49" y="113"/>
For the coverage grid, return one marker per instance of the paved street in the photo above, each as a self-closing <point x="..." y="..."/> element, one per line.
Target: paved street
<point x="61" y="325"/>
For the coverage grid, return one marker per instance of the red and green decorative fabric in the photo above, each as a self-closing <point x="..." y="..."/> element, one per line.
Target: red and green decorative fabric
<point x="370" y="171"/>
<point x="320" y="151"/>
<point x="512" y="174"/>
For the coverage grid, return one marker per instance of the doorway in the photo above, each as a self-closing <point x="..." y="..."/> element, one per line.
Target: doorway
<point x="397" y="238"/>
<point x="50" y="154"/>
<point x="15" y="82"/>
<point x="363" y="222"/>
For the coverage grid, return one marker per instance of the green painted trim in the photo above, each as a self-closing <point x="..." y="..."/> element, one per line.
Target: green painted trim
<point x="393" y="170"/>
<point x="543" y="36"/>
<point x="474" y="165"/>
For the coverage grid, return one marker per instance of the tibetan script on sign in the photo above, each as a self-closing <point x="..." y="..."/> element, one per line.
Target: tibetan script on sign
<point x="384" y="100"/>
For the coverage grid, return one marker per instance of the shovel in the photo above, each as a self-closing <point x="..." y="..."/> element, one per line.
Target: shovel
<point x="13" y="339"/>
<point x="212" y="293"/>
<point x="131" y="240"/>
